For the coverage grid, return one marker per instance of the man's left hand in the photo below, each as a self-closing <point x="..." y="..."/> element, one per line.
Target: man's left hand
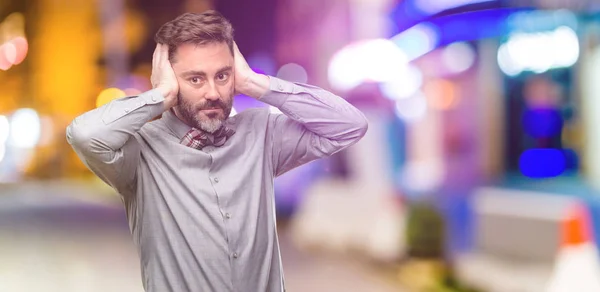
<point x="248" y="82"/>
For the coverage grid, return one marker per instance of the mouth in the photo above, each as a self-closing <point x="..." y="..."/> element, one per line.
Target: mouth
<point x="211" y="110"/>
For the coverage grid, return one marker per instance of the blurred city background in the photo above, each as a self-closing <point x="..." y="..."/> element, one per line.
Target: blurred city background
<point x="480" y="170"/>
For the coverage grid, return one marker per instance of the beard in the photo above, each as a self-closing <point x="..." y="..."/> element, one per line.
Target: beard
<point x="190" y="113"/>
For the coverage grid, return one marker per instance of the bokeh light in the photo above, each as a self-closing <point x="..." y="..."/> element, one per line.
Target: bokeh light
<point x="25" y="128"/>
<point x="292" y="72"/>
<point x="542" y="163"/>
<point x="108" y="95"/>
<point x="341" y="73"/>
<point x="506" y="63"/>
<point x="441" y="94"/>
<point x="2" y="151"/>
<point x="458" y="57"/>
<point x="417" y="40"/>
<point x="22" y="47"/>
<point x="4" y="129"/>
<point x="403" y="85"/>
<point x="423" y="176"/>
<point x="10" y="52"/>
<point x="13" y="52"/>
<point x="539" y="52"/>
<point x="377" y="60"/>
<point x="412" y="108"/>
<point x="566" y="47"/>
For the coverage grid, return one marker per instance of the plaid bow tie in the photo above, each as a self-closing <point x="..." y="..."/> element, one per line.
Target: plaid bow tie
<point x="199" y="139"/>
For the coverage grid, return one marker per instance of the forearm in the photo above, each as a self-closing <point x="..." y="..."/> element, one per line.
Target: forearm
<point x="256" y="85"/>
<point x="319" y="111"/>
<point x="107" y="129"/>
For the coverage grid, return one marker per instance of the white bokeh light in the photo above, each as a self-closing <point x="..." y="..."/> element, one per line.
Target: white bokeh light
<point x="382" y="60"/>
<point x="292" y="72"/>
<point x="377" y="60"/>
<point x="342" y="73"/>
<point x="417" y="40"/>
<point x="2" y="151"/>
<point x="404" y="84"/>
<point x="25" y="128"/>
<point x="539" y="52"/>
<point x="423" y="176"/>
<point x="506" y="63"/>
<point x="458" y="57"/>
<point x="4" y="129"/>
<point x="411" y="109"/>
<point x="567" y="43"/>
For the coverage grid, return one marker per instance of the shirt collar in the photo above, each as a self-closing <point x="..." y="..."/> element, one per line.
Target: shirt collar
<point x="176" y="126"/>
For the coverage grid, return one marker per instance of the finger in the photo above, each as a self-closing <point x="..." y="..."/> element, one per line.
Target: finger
<point x="236" y="49"/>
<point x="155" y="56"/>
<point x="240" y="61"/>
<point x="165" y="55"/>
<point x="161" y="55"/>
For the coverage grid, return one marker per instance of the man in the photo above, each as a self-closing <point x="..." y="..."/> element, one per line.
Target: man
<point x="197" y="184"/>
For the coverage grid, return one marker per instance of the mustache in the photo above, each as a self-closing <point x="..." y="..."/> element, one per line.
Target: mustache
<point x="212" y="104"/>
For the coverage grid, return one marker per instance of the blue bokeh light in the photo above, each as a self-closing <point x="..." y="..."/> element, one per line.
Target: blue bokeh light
<point x="542" y="163"/>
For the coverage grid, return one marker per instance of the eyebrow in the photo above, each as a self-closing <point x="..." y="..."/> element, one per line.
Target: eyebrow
<point x="202" y="73"/>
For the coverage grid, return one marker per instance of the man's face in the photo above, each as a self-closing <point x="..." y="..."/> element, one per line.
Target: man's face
<point x="206" y="85"/>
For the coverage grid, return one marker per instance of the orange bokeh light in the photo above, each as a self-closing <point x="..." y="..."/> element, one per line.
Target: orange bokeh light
<point x="441" y="94"/>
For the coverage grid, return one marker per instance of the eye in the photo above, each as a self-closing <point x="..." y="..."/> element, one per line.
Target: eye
<point x="222" y="76"/>
<point x="195" y="80"/>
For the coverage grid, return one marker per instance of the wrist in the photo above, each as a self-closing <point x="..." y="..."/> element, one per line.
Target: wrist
<point x="256" y="85"/>
<point x="165" y="91"/>
<point x="169" y="95"/>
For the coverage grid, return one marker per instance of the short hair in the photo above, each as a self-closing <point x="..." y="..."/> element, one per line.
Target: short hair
<point x="195" y="28"/>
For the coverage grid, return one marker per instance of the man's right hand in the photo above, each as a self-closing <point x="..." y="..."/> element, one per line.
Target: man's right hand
<point x="163" y="77"/>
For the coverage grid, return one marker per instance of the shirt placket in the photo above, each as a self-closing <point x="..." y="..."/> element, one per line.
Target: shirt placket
<point x="225" y="215"/>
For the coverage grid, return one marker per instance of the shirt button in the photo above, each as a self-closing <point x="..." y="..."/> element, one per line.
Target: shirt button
<point x="216" y="179"/>
<point x="227" y="215"/>
<point x="235" y="255"/>
<point x="127" y="110"/>
<point x="153" y="98"/>
<point x="280" y="87"/>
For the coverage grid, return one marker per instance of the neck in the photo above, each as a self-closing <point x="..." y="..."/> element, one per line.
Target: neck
<point x="175" y="111"/>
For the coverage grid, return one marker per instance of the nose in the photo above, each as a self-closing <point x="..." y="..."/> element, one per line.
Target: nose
<point x="212" y="93"/>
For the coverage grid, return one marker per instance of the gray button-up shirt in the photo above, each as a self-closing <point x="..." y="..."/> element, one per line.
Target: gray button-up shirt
<point x="204" y="220"/>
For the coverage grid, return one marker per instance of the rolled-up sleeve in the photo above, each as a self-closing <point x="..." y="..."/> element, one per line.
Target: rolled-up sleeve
<point x="315" y="123"/>
<point x="103" y="137"/>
